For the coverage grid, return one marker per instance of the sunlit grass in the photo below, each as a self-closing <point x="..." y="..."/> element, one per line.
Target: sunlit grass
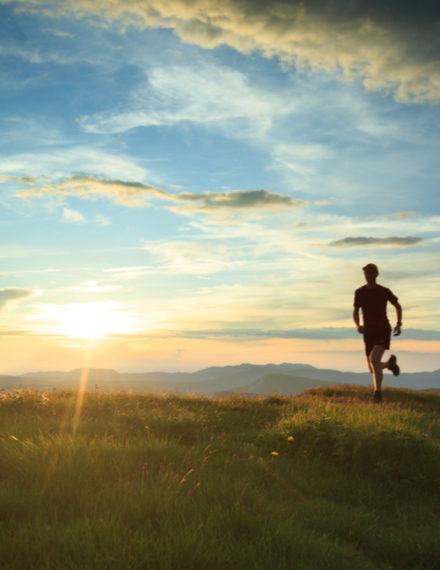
<point x="326" y="480"/>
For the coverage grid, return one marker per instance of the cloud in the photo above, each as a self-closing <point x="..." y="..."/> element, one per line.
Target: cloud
<point x="326" y="333"/>
<point x="300" y="158"/>
<point x="59" y="33"/>
<point x="371" y="241"/>
<point x="203" y="94"/>
<point x="72" y="217"/>
<point x="102" y="221"/>
<point x="190" y="258"/>
<point x="14" y="294"/>
<point x="420" y="334"/>
<point x="15" y="251"/>
<point x="392" y="47"/>
<point x="138" y="194"/>
<point x="404" y="215"/>
<point x="130" y="272"/>
<point x="236" y="200"/>
<point x="130" y="194"/>
<point x="20" y="179"/>
<point x="60" y="160"/>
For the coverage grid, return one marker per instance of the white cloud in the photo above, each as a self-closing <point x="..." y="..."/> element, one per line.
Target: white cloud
<point x="12" y="251"/>
<point x="62" y="163"/>
<point x="191" y="258"/>
<point x="72" y="217"/>
<point x="59" y="33"/>
<point x="24" y="130"/>
<point x="130" y="272"/>
<point x="302" y="159"/>
<point x="407" y="214"/>
<point x="102" y="221"/>
<point x="389" y="47"/>
<point x="204" y="94"/>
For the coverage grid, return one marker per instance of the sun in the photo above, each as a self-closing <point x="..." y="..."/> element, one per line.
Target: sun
<point x="89" y="321"/>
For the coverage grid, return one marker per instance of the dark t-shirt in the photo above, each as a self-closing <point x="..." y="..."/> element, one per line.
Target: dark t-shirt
<point x="373" y="302"/>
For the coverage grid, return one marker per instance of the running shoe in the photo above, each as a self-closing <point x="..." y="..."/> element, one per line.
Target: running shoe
<point x="377" y="397"/>
<point x="392" y="365"/>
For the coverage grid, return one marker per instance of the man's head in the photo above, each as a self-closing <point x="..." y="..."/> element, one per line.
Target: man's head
<point x="371" y="272"/>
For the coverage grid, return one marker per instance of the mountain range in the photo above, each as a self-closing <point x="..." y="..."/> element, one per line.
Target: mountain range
<point x="250" y="379"/>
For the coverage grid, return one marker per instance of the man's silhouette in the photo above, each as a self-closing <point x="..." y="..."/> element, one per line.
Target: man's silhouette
<point x="372" y="298"/>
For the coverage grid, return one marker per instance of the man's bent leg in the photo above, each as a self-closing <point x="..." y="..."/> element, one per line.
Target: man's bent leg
<point x="375" y="358"/>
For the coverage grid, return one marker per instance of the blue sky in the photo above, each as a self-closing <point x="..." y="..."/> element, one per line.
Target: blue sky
<point x="184" y="184"/>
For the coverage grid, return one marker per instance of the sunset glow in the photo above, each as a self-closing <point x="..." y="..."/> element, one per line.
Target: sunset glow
<point x="90" y="321"/>
<point x="184" y="184"/>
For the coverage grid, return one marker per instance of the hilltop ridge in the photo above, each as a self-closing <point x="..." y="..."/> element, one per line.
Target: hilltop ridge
<point x="285" y="378"/>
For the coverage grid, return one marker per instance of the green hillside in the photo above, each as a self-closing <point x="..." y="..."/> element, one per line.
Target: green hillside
<point x="283" y="384"/>
<point x="147" y="481"/>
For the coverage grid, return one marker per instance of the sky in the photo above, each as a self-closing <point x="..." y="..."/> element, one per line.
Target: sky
<point x="192" y="183"/>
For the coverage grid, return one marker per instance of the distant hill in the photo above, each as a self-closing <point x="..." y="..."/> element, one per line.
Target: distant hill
<point x="287" y="379"/>
<point x="283" y="384"/>
<point x="9" y="382"/>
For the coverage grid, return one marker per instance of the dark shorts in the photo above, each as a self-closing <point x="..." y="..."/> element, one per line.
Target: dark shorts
<point x="380" y="335"/>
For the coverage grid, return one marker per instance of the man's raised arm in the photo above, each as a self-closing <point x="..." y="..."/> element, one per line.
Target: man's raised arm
<point x="398" y="327"/>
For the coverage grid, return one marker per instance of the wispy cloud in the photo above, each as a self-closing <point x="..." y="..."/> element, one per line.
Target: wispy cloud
<point x="20" y="179"/>
<point x="102" y="221"/>
<point x="326" y="333"/>
<point x="206" y="94"/>
<point x="300" y="158"/>
<point x="138" y="194"/>
<point x="130" y="194"/>
<point x="129" y="272"/>
<point x="404" y="215"/>
<point x="59" y="33"/>
<point x="13" y="251"/>
<point x="383" y="45"/>
<point x="63" y="159"/>
<point x="72" y="217"/>
<point x="191" y="258"/>
<point x="14" y="294"/>
<point x="236" y="200"/>
<point x="372" y="241"/>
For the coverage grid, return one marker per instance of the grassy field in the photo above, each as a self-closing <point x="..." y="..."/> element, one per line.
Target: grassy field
<point x="147" y="481"/>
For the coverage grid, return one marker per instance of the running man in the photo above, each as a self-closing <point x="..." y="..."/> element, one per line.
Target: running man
<point x="372" y="298"/>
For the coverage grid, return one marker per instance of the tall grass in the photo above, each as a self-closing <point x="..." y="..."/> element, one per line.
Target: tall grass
<point x="326" y="480"/>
